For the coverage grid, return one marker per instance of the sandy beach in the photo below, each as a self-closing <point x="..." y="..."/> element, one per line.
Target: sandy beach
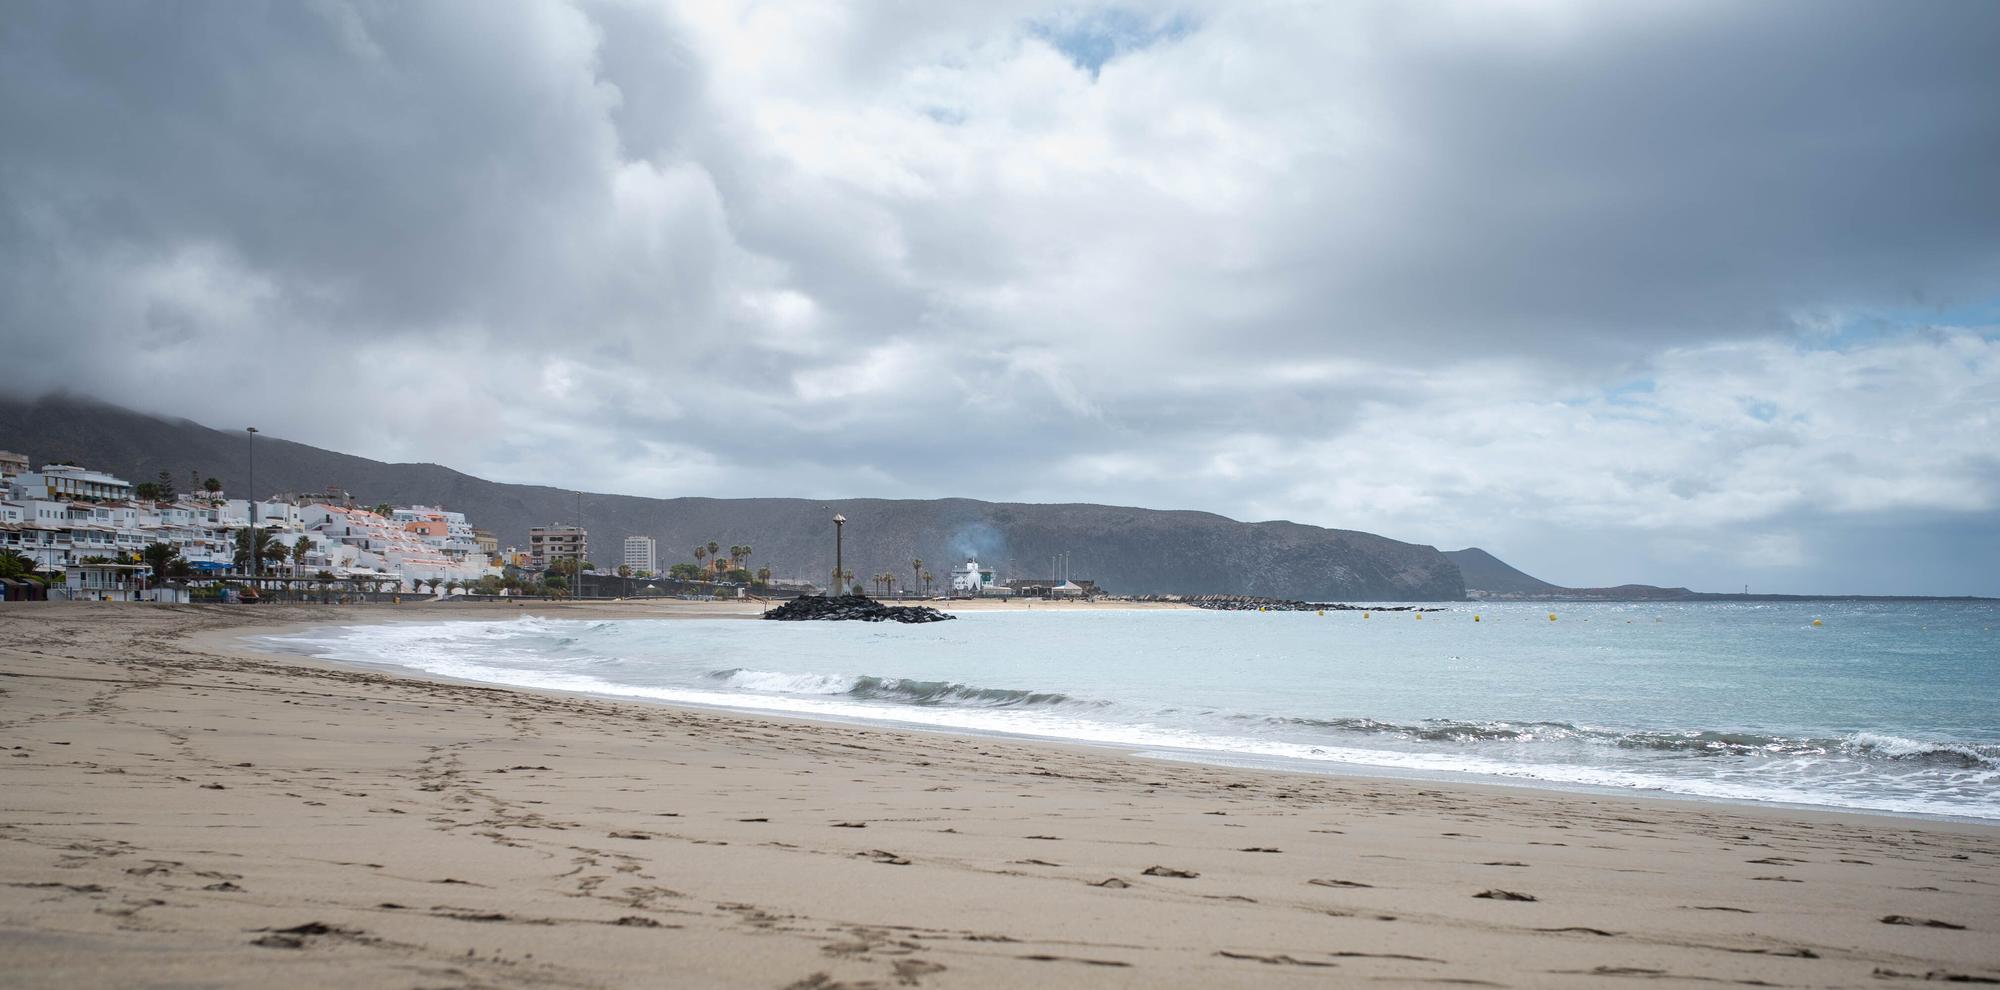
<point x="179" y="810"/>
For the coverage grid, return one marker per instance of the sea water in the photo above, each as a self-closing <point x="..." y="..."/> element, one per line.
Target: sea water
<point x="1886" y="707"/>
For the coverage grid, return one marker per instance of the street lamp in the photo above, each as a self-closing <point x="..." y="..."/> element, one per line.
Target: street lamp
<point x="250" y="500"/>
<point x="838" y="571"/>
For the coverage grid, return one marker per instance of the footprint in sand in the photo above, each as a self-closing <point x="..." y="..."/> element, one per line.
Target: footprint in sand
<point x="884" y="856"/>
<point x="1278" y="960"/>
<point x="1168" y="871"/>
<point x="1901" y="919"/>
<point x="1496" y="894"/>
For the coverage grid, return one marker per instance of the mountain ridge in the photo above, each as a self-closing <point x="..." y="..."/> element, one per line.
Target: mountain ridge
<point x="1125" y="549"/>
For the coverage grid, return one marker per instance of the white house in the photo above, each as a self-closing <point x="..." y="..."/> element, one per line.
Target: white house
<point x="970" y="578"/>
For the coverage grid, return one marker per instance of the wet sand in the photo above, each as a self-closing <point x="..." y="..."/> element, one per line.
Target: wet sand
<point x="176" y="810"/>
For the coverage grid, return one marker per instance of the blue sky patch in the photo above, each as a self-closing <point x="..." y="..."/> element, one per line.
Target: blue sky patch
<point x="1094" y="38"/>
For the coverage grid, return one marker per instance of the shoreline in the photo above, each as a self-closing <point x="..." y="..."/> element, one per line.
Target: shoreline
<point x="1218" y="758"/>
<point x="171" y="796"/>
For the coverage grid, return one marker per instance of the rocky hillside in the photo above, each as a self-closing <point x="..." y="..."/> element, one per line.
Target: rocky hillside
<point x="1126" y="550"/>
<point x="1486" y="576"/>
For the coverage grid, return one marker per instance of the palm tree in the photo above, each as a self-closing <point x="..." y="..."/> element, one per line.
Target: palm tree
<point x="699" y="553"/>
<point x="916" y="570"/>
<point x="213" y="487"/>
<point x="763" y="575"/>
<point x="299" y="551"/>
<point x="164" y="558"/>
<point x="927" y="583"/>
<point x="263" y="539"/>
<point x="740" y="554"/>
<point x="14" y="564"/>
<point x="714" y="555"/>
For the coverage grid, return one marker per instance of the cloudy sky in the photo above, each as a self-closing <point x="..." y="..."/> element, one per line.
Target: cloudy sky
<point x="1680" y="292"/>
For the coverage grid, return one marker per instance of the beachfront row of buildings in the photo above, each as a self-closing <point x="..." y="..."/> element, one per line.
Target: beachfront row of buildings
<point x="67" y="518"/>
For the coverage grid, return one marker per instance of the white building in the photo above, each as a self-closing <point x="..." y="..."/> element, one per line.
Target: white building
<point x="970" y="578"/>
<point x="641" y="554"/>
<point x="445" y="530"/>
<point x="65" y="481"/>
<point x="53" y="518"/>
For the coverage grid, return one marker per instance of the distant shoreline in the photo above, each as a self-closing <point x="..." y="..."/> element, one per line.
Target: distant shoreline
<point x="1704" y="597"/>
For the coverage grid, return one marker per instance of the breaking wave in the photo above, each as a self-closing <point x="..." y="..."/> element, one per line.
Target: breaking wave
<point x="894" y="689"/>
<point x="1692" y="742"/>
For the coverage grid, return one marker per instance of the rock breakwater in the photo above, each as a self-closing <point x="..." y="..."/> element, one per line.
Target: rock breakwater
<point x="852" y="608"/>
<point x="1253" y="603"/>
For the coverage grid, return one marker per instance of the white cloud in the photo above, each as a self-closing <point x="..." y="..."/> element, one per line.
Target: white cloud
<point x="1548" y="274"/>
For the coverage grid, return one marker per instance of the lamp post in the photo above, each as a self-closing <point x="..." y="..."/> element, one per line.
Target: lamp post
<point x="838" y="571"/>
<point x="250" y="500"/>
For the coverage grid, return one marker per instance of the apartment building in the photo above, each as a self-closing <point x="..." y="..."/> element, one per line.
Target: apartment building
<point x="549" y="543"/>
<point x="641" y="554"/>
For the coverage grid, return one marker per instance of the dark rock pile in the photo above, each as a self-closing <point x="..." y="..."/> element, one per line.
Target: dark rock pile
<point x="852" y="608"/>
<point x="1253" y="603"/>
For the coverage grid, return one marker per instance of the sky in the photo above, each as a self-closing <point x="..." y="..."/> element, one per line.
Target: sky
<point x="1686" y="293"/>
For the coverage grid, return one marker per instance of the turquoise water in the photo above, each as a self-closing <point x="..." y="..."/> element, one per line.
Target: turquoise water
<point x="1887" y="707"/>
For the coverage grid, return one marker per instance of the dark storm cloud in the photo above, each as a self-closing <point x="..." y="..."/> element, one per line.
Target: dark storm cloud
<point x="1269" y="261"/>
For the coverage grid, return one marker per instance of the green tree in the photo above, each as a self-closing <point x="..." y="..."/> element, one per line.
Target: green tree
<point x="927" y="583"/>
<point x="14" y="565"/>
<point x="264" y="545"/>
<point x="916" y="571"/>
<point x="763" y="575"/>
<point x="166" y="486"/>
<point x="624" y="570"/>
<point x="700" y="552"/>
<point x="146" y="491"/>
<point x="384" y="509"/>
<point x="685" y="572"/>
<point x="299" y="552"/>
<point x="213" y="487"/>
<point x="166" y="561"/>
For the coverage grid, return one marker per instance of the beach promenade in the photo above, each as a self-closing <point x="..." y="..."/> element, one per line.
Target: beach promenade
<point x="179" y="810"/>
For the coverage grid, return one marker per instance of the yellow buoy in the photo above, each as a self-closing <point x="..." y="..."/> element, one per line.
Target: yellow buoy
<point x="1816" y="622"/>
<point x="1364" y="615"/>
<point x="1475" y="617"/>
<point x="1420" y="616"/>
<point x="1552" y="617"/>
<point x="1322" y="613"/>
